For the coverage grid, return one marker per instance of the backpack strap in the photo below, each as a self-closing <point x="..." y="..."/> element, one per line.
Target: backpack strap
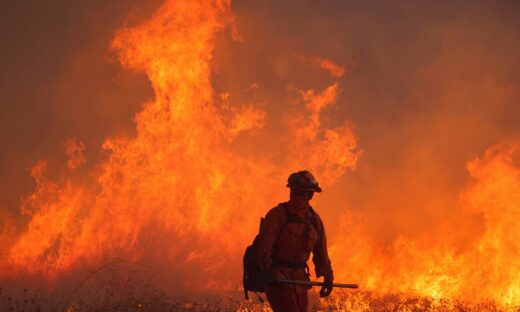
<point x="290" y="218"/>
<point x="287" y="214"/>
<point x="314" y="219"/>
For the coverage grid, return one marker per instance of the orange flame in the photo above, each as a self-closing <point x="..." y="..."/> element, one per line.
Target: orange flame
<point x="173" y="195"/>
<point x="438" y="267"/>
<point x="74" y="151"/>
<point x="181" y="195"/>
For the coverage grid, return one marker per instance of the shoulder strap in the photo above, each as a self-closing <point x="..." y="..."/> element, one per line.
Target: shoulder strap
<point x="314" y="219"/>
<point x="289" y="218"/>
<point x="286" y="209"/>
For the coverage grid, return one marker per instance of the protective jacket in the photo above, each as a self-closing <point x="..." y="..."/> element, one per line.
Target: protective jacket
<point x="289" y="241"/>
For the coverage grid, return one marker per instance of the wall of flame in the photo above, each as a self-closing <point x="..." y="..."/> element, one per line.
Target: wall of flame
<point x="184" y="193"/>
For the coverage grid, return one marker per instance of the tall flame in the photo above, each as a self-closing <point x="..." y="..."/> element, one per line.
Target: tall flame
<point x="182" y="195"/>
<point x="450" y="263"/>
<point x="178" y="195"/>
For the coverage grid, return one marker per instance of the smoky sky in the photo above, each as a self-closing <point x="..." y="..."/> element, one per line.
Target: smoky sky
<point x="58" y="80"/>
<point x="429" y="85"/>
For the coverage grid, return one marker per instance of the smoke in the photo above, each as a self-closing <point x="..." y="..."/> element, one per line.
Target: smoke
<point x="414" y="90"/>
<point x="59" y="81"/>
<point x="427" y="87"/>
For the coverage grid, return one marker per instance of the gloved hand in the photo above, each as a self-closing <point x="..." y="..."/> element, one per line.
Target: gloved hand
<point x="326" y="289"/>
<point x="265" y="263"/>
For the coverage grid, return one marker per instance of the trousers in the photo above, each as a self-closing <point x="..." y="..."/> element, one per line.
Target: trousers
<point x="285" y="298"/>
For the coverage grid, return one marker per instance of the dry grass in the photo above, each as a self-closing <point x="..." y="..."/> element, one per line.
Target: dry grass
<point x="111" y="301"/>
<point x="120" y="286"/>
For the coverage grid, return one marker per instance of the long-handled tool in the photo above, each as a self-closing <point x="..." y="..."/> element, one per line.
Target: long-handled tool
<point x="310" y="283"/>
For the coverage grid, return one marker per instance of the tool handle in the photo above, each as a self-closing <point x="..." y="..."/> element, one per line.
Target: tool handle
<point x="312" y="283"/>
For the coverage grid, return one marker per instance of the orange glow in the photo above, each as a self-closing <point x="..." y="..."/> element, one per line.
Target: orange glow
<point x="170" y="195"/>
<point x="334" y="69"/>
<point x="433" y="266"/>
<point x="74" y="152"/>
<point x="182" y="195"/>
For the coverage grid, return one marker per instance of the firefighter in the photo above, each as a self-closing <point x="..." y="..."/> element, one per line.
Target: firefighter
<point x="290" y="232"/>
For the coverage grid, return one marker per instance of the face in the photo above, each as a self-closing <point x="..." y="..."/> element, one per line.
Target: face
<point x="299" y="199"/>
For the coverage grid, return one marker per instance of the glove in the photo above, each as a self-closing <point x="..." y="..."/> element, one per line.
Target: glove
<point x="265" y="263"/>
<point x="326" y="289"/>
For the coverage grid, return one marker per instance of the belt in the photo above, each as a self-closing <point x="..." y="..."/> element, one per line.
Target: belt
<point x="290" y="265"/>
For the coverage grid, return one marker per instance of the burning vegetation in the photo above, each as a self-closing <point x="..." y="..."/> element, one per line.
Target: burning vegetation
<point x="179" y="201"/>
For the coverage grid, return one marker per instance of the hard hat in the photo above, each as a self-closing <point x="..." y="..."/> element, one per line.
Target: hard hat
<point x="303" y="181"/>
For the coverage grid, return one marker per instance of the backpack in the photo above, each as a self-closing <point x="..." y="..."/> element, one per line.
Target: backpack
<point x="254" y="278"/>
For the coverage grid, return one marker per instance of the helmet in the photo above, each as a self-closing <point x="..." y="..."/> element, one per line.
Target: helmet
<point x="304" y="181"/>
